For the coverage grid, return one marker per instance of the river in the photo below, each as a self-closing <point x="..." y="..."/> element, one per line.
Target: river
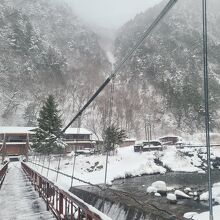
<point x="128" y="197"/>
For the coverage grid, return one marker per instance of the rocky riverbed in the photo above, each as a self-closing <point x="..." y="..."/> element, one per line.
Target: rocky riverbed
<point x="130" y="197"/>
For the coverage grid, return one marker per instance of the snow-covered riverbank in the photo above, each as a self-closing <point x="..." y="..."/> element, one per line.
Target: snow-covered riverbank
<point x="129" y="163"/>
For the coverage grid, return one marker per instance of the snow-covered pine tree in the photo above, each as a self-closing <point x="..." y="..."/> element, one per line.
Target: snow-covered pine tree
<point x="49" y="127"/>
<point x="113" y="136"/>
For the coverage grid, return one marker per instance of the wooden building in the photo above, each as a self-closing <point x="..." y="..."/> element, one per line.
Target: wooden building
<point x="128" y="142"/>
<point x="78" y="139"/>
<point x="17" y="140"/>
<point x="14" y="140"/>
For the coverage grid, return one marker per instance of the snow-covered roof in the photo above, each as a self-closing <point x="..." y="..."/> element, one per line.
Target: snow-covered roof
<point x="170" y="136"/>
<point x="15" y="130"/>
<point x="153" y="140"/>
<point x="129" y="139"/>
<point x="77" y="131"/>
<point x="20" y="130"/>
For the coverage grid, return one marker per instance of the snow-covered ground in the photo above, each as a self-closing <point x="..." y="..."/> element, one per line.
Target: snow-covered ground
<point x="204" y="215"/>
<point x="91" y="168"/>
<point x="125" y="163"/>
<point x="177" y="161"/>
<point x="129" y="163"/>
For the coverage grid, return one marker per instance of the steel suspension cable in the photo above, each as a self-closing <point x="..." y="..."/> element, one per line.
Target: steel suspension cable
<point x="111" y="102"/>
<point x="168" y="6"/>
<point x="206" y="100"/>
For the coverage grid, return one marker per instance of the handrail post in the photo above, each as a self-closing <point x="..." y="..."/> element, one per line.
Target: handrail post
<point x="71" y="211"/>
<point x="35" y="181"/>
<point x="60" y="203"/>
<point x="79" y="215"/>
<point x="88" y="217"/>
<point x="40" y="185"/>
<point x="3" y="171"/>
<point x="47" y="195"/>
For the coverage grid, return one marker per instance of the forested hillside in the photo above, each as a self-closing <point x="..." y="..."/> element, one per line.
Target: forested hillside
<point x="165" y="76"/>
<point x="45" y="49"/>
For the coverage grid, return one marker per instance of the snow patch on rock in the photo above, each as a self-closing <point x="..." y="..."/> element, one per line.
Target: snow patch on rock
<point x="189" y="215"/>
<point x="171" y="197"/>
<point x="181" y="194"/>
<point x="151" y="189"/>
<point x="157" y="194"/>
<point x="160" y="186"/>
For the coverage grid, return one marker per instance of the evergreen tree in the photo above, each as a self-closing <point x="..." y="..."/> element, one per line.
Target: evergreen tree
<point x="113" y="136"/>
<point x="47" y="137"/>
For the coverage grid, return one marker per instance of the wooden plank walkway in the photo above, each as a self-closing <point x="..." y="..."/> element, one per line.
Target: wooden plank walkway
<point x="19" y="200"/>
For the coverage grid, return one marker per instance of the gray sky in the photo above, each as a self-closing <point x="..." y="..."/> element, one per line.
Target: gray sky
<point x="109" y="13"/>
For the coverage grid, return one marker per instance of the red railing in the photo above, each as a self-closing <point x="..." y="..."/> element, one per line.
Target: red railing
<point x="3" y="171"/>
<point x="64" y="204"/>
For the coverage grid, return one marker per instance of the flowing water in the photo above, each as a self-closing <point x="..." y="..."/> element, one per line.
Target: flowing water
<point x="127" y="198"/>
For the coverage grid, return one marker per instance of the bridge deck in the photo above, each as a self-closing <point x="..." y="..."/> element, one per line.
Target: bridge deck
<point x="19" y="200"/>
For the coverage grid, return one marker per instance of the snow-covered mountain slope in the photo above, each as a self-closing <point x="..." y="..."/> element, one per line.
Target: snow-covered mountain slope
<point x="168" y="67"/>
<point x="45" y="49"/>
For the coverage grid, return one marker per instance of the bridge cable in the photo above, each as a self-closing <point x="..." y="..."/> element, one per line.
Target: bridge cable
<point x="110" y="115"/>
<point x="118" y="193"/>
<point x="169" y="5"/>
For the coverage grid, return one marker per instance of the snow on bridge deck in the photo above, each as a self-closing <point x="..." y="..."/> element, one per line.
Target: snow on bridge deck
<point x="18" y="199"/>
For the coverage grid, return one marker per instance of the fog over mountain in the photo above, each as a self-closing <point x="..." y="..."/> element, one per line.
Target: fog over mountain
<point x="109" y="14"/>
<point x="47" y="48"/>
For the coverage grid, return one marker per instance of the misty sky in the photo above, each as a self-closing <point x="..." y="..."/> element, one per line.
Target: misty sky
<point x="109" y="13"/>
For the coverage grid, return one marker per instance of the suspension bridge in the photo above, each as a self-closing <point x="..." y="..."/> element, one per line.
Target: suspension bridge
<point x="26" y="194"/>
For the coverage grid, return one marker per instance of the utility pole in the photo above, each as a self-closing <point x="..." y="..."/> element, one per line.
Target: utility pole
<point x="147" y="127"/>
<point x="206" y="96"/>
<point x="73" y="170"/>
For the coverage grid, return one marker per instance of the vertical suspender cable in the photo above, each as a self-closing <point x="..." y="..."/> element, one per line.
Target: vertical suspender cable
<point x="111" y="102"/>
<point x="73" y="170"/>
<point x="206" y="99"/>
<point x="43" y="164"/>
<point x="58" y="168"/>
<point x="48" y="167"/>
<point x="110" y="124"/>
